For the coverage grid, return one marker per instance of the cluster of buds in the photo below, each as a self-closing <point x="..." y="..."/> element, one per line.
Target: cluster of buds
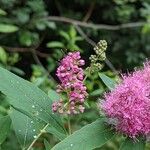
<point x="71" y="76"/>
<point x="96" y="60"/>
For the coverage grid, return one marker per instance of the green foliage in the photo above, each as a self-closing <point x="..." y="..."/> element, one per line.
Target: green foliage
<point x="3" y="55"/>
<point x="2" y="12"/>
<point x="53" y="95"/>
<point x="28" y="38"/>
<point x="31" y="19"/>
<point x="55" y="44"/>
<point x="89" y="137"/>
<point x="26" y="129"/>
<point x="40" y="79"/>
<point x="24" y="25"/>
<point x="47" y="145"/>
<point x="28" y="18"/>
<point x="129" y="144"/>
<point x="5" y="123"/>
<point x="33" y="100"/>
<point x="60" y="136"/>
<point x="34" y="104"/>
<point x="8" y="61"/>
<point x="69" y="40"/>
<point x="5" y="28"/>
<point x="107" y="81"/>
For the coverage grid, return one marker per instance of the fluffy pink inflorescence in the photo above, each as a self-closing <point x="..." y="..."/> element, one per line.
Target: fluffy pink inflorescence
<point x="129" y="103"/>
<point x="71" y="76"/>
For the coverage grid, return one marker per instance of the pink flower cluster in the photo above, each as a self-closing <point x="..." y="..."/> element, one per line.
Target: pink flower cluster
<point x="129" y="103"/>
<point x="71" y="76"/>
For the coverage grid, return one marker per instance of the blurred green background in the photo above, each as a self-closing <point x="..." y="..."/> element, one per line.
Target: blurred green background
<point x="32" y="41"/>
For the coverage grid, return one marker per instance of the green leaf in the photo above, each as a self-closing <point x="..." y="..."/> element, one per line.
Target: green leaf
<point x="97" y="92"/>
<point x="64" y="35"/>
<point x="89" y="137"/>
<point x="78" y="38"/>
<point x="6" y="28"/>
<point x="129" y="144"/>
<point x="5" y="123"/>
<point x="17" y="70"/>
<point x="53" y="95"/>
<point x="87" y="104"/>
<point x="50" y="24"/>
<point x="28" y="98"/>
<point x="26" y="38"/>
<point x="3" y="55"/>
<point x="107" y="81"/>
<point x="55" y="44"/>
<point x="47" y="145"/>
<point x="146" y="28"/>
<point x="22" y="15"/>
<point x="72" y="32"/>
<point x="2" y="12"/>
<point x="26" y="129"/>
<point x="38" y="81"/>
<point x="55" y="132"/>
<point x="40" y="25"/>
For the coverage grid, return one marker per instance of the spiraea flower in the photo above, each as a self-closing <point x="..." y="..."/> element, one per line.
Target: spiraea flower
<point x="129" y="103"/>
<point x="71" y="76"/>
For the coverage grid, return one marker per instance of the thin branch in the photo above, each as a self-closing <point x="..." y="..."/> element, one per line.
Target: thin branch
<point x="24" y="50"/>
<point x="34" y="54"/>
<point x="44" y="55"/>
<point x="38" y="136"/>
<point x="80" y="31"/>
<point x="41" y="65"/>
<point x="33" y="51"/>
<point x="91" y="42"/>
<point x="93" y="25"/>
<point x="89" y="12"/>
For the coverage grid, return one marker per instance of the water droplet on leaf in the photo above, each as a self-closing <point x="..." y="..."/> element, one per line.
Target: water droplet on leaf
<point x="33" y="106"/>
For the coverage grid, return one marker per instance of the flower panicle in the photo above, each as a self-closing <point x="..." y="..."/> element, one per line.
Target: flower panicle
<point x="129" y="103"/>
<point x="71" y="76"/>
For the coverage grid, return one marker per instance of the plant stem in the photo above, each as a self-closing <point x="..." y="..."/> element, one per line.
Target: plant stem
<point x="42" y="131"/>
<point x="87" y="74"/>
<point x="69" y="126"/>
<point x="85" y="78"/>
